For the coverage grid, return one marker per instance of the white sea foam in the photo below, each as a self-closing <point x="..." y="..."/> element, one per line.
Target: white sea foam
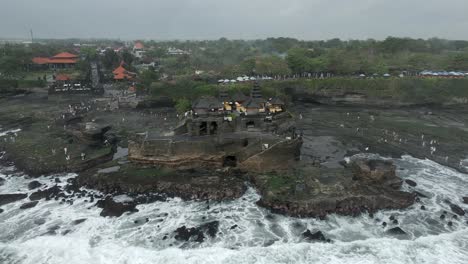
<point x="4" y="133"/>
<point x="260" y="237"/>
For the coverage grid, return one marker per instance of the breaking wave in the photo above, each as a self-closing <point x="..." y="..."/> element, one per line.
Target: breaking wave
<point x="247" y="233"/>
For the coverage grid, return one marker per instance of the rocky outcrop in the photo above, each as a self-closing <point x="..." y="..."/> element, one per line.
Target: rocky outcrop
<point x="29" y="205"/>
<point x="457" y="209"/>
<point x="45" y="194"/>
<point x="115" y="209"/>
<point x="34" y="185"/>
<point x="376" y="172"/>
<point x="411" y="183"/>
<point x="91" y="134"/>
<point x="364" y="186"/>
<point x="197" y="234"/>
<point x="465" y="200"/>
<point x="78" y="221"/>
<point x="349" y="204"/>
<point x="396" y="231"/>
<point x="185" y="234"/>
<point x="2" y="181"/>
<point x="187" y="184"/>
<point x="10" y="198"/>
<point x="316" y="236"/>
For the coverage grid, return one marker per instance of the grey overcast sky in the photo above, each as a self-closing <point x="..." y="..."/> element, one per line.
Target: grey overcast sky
<point x="234" y="19"/>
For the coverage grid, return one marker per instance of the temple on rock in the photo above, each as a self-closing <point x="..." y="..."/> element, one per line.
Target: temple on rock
<point x="248" y="132"/>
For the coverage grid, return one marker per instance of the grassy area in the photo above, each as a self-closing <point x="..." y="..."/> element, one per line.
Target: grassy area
<point x="410" y="90"/>
<point x="414" y="90"/>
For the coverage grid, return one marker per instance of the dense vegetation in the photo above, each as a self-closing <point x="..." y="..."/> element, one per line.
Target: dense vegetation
<point x="282" y="56"/>
<point x="273" y="56"/>
<point x="225" y="58"/>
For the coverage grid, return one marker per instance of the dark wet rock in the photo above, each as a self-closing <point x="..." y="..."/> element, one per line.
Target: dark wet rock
<point x="188" y="185"/>
<point x="185" y="234"/>
<point x="39" y="221"/>
<point x="395" y="222"/>
<point x="10" y="198"/>
<point x="57" y="180"/>
<point x="442" y="216"/>
<point x="29" y="205"/>
<point x="317" y="236"/>
<point x="457" y="209"/>
<point x="392" y="217"/>
<point x="396" y="231"/>
<point x="197" y="234"/>
<point x="66" y="232"/>
<point x="421" y="195"/>
<point x="423" y="207"/>
<point x="1" y="210"/>
<point x="45" y="194"/>
<point x="52" y="230"/>
<point x="364" y="186"/>
<point x="450" y="223"/>
<point x="210" y="228"/>
<point x="233" y="227"/>
<point x="164" y="238"/>
<point x="432" y="221"/>
<point x="298" y="225"/>
<point x="455" y="217"/>
<point x="78" y="221"/>
<point x="376" y="171"/>
<point x="269" y="242"/>
<point x="465" y="199"/>
<point x="411" y="183"/>
<point x="113" y="208"/>
<point x="384" y="224"/>
<point x="2" y="181"/>
<point x="34" y="185"/>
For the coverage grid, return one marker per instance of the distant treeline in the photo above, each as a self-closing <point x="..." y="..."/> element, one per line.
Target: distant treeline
<point x="273" y="56"/>
<point x="285" y="56"/>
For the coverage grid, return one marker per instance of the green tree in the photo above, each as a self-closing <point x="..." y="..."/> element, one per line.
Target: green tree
<point x="110" y="60"/>
<point x="127" y="57"/>
<point x="182" y="105"/>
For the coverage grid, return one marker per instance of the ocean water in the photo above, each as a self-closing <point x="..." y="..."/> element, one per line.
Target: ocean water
<point x="260" y="237"/>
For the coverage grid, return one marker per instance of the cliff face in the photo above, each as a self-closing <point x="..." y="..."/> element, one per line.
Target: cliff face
<point x="246" y="153"/>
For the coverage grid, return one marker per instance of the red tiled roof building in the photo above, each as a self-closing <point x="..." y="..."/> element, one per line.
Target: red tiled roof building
<point x="61" y="60"/>
<point x="120" y="73"/>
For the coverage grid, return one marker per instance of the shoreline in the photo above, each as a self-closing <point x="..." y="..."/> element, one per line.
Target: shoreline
<point x="329" y="136"/>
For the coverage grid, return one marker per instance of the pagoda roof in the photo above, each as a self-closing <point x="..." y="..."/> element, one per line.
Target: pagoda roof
<point x="40" y="60"/>
<point x="120" y="73"/>
<point x="239" y="97"/>
<point x="276" y="101"/>
<point x="207" y="102"/>
<point x="254" y="103"/>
